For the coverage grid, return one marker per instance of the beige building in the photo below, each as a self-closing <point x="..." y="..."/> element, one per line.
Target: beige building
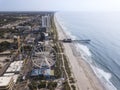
<point x="6" y="83"/>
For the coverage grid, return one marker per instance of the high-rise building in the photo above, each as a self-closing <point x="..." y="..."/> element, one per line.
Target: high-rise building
<point x="46" y="21"/>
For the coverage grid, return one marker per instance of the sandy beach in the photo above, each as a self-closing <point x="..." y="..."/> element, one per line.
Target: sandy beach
<point x="83" y="74"/>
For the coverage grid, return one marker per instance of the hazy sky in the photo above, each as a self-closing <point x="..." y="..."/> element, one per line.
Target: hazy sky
<point x="62" y="5"/>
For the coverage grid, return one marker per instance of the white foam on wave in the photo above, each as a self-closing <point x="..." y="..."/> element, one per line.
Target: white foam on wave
<point x="70" y="35"/>
<point x="84" y="49"/>
<point x="104" y="77"/>
<point x="101" y="74"/>
<point x="86" y="54"/>
<point x="63" y="25"/>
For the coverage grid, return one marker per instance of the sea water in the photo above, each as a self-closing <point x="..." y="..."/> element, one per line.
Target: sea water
<point x="103" y="52"/>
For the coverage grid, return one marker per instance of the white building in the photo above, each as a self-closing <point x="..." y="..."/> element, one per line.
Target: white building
<point x="15" y="76"/>
<point x="46" y="21"/>
<point x="6" y="83"/>
<point x="15" y="67"/>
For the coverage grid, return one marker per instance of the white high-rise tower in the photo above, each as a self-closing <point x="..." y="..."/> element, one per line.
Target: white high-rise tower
<point x="46" y="21"/>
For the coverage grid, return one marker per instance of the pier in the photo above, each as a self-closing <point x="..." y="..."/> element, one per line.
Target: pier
<point x="69" y="40"/>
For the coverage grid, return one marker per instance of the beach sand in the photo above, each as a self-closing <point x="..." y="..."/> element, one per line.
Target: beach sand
<point x="82" y="72"/>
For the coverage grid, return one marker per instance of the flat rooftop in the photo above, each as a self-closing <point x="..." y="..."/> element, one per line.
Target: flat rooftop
<point x="42" y="71"/>
<point x="8" y="40"/>
<point x="15" y="76"/>
<point x="15" y="66"/>
<point x="4" y="81"/>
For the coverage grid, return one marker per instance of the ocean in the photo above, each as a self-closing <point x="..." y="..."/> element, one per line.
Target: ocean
<point x="103" y="52"/>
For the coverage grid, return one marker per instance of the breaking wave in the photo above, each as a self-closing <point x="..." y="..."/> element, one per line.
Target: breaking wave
<point x="85" y="53"/>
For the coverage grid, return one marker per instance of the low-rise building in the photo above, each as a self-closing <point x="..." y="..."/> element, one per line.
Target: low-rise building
<point x="23" y="27"/>
<point x="42" y="71"/>
<point x="15" y="76"/>
<point x="15" y="67"/>
<point x="6" y="83"/>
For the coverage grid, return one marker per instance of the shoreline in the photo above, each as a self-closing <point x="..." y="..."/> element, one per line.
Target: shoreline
<point x="85" y="77"/>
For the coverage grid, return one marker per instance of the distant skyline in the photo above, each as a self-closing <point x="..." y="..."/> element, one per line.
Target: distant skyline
<point x="59" y="5"/>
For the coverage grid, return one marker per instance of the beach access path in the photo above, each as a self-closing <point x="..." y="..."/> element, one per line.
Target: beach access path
<point x="84" y="76"/>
